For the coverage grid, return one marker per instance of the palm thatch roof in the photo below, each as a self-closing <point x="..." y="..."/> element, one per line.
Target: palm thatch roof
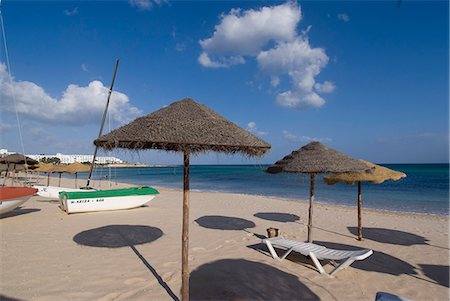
<point x="45" y="167"/>
<point x="76" y="167"/>
<point x="317" y="158"/>
<point x="377" y="175"/>
<point x="17" y="159"/>
<point x="184" y="126"/>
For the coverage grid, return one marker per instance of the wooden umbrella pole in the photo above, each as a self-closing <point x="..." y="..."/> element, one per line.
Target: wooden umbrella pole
<point x="59" y="182"/>
<point x="359" y="211"/>
<point x="185" y="235"/>
<point x="76" y="185"/>
<point x="311" y="200"/>
<point x="48" y="178"/>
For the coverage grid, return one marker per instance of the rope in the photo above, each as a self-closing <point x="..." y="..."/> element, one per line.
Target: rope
<point x="8" y="66"/>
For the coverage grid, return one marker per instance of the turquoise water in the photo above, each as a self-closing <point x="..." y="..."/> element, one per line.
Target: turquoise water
<point x="425" y="190"/>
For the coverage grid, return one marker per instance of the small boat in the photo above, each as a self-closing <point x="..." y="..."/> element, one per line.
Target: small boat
<point x="53" y="191"/>
<point x="13" y="197"/>
<point x="102" y="200"/>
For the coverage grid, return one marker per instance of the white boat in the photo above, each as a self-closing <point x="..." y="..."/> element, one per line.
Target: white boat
<point x="53" y="191"/>
<point x="102" y="200"/>
<point x="13" y="197"/>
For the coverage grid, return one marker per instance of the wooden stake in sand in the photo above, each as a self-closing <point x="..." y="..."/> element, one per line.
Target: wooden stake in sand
<point x="185" y="235"/>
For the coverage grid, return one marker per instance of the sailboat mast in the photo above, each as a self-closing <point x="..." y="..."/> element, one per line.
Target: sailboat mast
<point x="103" y="122"/>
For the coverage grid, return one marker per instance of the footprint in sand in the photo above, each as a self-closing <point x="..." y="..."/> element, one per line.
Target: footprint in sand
<point x="132" y="281"/>
<point x="170" y="263"/>
<point x="167" y="276"/>
<point x="198" y="249"/>
<point x="230" y="241"/>
<point x="218" y="247"/>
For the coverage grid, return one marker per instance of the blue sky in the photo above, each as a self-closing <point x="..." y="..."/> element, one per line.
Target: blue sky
<point x="369" y="79"/>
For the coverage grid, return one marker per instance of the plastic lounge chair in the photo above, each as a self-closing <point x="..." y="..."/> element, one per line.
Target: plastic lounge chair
<point x="316" y="253"/>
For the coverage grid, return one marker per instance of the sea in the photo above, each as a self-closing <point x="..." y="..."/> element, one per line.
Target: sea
<point x="425" y="190"/>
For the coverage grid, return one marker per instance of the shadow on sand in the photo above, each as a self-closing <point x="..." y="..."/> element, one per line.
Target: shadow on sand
<point x="378" y="262"/>
<point x="239" y="279"/>
<point x="117" y="236"/>
<point x="294" y="256"/>
<point x="5" y="298"/>
<point x="439" y="273"/>
<point x="278" y="217"/>
<point x="18" y="211"/>
<point x="390" y="236"/>
<point x="224" y="222"/>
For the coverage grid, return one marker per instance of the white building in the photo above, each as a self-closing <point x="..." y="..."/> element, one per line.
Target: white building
<point x="67" y="159"/>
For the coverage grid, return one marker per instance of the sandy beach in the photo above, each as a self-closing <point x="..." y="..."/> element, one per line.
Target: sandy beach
<point x="136" y="254"/>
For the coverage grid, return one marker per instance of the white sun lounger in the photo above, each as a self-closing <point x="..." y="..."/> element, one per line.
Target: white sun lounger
<point x="316" y="253"/>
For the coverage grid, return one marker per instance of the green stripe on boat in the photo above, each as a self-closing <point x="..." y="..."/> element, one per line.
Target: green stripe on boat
<point x="143" y="190"/>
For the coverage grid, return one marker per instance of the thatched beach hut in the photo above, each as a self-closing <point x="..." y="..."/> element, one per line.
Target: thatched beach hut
<point x="188" y="127"/>
<point x="315" y="158"/>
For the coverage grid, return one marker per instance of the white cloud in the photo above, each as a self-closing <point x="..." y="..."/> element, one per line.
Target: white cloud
<point x="84" y="68"/>
<point x="326" y="87"/>
<point x="77" y="106"/>
<point x="71" y="12"/>
<point x="223" y="62"/>
<point x="4" y="127"/>
<point x="245" y="34"/>
<point x="343" y="17"/>
<point x="274" y="81"/>
<point x="302" y="63"/>
<point x="252" y="128"/>
<point x="180" y="47"/>
<point x="303" y="139"/>
<point x="141" y="4"/>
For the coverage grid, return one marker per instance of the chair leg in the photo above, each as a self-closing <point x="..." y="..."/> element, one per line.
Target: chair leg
<point x="343" y="265"/>
<point x="274" y="253"/>
<point x="272" y="250"/>
<point x="317" y="264"/>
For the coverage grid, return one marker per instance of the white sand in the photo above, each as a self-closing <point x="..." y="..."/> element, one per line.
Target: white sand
<point x="49" y="255"/>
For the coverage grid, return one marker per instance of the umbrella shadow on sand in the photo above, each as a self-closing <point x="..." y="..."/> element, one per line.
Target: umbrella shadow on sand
<point x="439" y="273"/>
<point x="239" y="279"/>
<point x="390" y="236"/>
<point x="6" y="298"/>
<point x="19" y="211"/>
<point x="295" y="257"/>
<point x="277" y="217"/>
<point x="118" y="236"/>
<point x="219" y="222"/>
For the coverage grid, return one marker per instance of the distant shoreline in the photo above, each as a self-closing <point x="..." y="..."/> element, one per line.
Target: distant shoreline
<point x="120" y="165"/>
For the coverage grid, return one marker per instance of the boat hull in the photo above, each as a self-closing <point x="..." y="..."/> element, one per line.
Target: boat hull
<point x="52" y="192"/>
<point x="13" y="197"/>
<point x="105" y="200"/>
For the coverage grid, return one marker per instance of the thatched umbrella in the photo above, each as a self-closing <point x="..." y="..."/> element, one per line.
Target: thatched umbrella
<point x="59" y="169"/>
<point x="377" y="175"/>
<point x="18" y="159"/>
<point x="15" y="159"/>
<point x="188" y="127"/>
<point x="75" y="168"/>
<point x="312" y="159"/>
<point x="45" y="167"/>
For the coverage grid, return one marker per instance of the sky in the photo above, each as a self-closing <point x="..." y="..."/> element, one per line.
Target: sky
<point x="367" y="78"/>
